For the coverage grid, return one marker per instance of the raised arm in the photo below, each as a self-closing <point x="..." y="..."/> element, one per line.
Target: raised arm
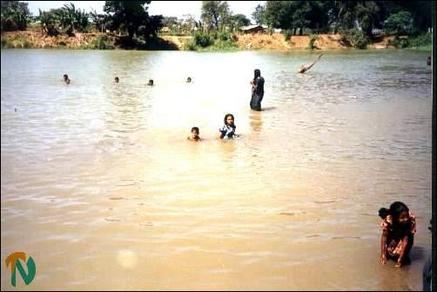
<point x="303" y="69"/>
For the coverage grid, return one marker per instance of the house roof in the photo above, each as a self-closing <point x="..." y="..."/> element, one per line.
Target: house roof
<point x="249" y="27"/>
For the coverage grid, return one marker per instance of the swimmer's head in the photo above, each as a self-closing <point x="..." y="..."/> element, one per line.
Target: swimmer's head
<point x="188" y="79"/>
<point x="150" y="83"/>
<point x="229" y="120"/>
<point x="116" y="79"/>
<point x="195" y="133"/>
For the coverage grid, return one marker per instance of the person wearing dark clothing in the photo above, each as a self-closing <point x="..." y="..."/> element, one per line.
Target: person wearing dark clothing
<point x="257" y="91"/>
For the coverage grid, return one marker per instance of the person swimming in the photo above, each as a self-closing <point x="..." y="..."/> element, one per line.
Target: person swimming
<point x="150" y="83"/>
<point x="188" y="80"/>
<point x="66" y="79"/>
<point x="228" y="130"/>
<point x="305" y="68"/>
<point x="116" y="79"/>
<point x="398" y="228"/>
<point x="194" y="134"/>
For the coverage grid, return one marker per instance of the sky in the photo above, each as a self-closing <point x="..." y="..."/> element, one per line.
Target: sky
<point x="166" y="8"/>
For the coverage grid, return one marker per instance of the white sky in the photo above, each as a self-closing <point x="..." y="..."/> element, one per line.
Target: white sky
<point x="166" y="8"/>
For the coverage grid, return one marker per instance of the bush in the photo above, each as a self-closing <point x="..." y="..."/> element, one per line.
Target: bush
<point x="399" y="43"/>
<point x="224" y="36"/>
<point x="313" y="39"/>
<point x="102" y="43"/>
<point x="287" y="34"/>
<point x="203" y="40"/>
<point x="355" y="37"/>
<point x="422" y="40"/>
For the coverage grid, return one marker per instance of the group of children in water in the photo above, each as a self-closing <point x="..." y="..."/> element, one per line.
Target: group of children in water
<point x="398" y="222"/>
<point x="226" y="132"/>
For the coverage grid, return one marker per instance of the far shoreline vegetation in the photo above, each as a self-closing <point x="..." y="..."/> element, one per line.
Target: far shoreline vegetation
<point x="279" y="25"/>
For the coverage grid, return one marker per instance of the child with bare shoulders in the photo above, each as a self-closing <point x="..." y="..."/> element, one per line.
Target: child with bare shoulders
<point x="194" y="135"/>
<point x="398" y="228"/>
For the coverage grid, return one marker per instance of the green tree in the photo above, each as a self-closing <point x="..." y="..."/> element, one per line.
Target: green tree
<point x="399" y="23"/>
<point x="67" y="20"/>
<point x="238" y="20"/>
<point x="72" y="19"/>
<point x="215" y="14"/>
<point x="100" y="21"/>
<point x="14" y="15"/>
<point x="127" y="16"/>
<point x="258" y="14"/>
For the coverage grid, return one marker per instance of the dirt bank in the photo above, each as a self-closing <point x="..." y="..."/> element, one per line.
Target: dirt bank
<point x="276" y="41"/>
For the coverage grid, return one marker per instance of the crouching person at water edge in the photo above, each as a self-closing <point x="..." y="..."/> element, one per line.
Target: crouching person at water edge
<point x="398" y="228"/>
<point x="257" y="90"/>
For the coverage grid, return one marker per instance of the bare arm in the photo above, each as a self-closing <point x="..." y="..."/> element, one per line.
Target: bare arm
<point x="384" y="247"/>
<point x="308" y="67"/>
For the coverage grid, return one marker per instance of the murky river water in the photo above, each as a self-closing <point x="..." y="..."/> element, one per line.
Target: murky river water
<point x="100" y="186"/>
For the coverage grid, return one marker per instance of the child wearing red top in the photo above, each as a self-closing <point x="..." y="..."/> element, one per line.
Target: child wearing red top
<point x="398" y="228"/>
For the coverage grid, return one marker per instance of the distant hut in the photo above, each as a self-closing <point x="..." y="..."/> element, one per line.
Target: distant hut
<point x="256" y="28"/>
<point x="165" y="30"/>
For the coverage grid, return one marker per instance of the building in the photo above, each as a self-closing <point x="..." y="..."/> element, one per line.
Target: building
<point x="256" y="28"/>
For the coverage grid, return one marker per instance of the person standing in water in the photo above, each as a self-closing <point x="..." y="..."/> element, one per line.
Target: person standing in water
<point x="257" y="90"/>
<point x="305" y="68"/>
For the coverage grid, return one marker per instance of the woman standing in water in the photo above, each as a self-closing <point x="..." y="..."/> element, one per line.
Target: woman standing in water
<point x="257" y="91"/>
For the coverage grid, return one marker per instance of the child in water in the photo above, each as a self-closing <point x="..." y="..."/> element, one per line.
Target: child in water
<point x="66" y="79"/>
<point x="194" y="134"/>
<point x="398" y="228"/>
<point x="228" y="130"/>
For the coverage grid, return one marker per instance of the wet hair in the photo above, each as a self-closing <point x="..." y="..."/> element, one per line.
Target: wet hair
<point x="150" y="82"/>
<point x="395" y="210"/>
<point x="116" y="79"/>
<point x="188" y="79"/>
<point x="226" y="117"/>
<point x="257" y="73"/>
<point x="65" y="76"/>
<point x="195" y="129"/>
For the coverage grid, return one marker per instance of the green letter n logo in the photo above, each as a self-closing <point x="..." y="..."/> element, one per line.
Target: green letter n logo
<point x="14" y="261"/>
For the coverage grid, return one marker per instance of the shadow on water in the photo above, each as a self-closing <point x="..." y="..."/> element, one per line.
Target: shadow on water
<point x="417" y="253"/>
<point x="268" y="108"/>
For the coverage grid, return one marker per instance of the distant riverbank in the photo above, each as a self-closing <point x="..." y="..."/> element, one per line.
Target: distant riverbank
<point x="274" y="42"/>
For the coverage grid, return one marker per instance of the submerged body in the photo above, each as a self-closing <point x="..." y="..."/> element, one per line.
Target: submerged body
<point x="257" y="91"/>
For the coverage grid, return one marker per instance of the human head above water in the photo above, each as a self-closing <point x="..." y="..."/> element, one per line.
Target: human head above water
<point x="150" y="82"/>
<point x="116" y="79"/>
<point x="188" y="79"/>
<point x="229" y="119"/>
<point x="65" y="77"/>
<point x="398" y="210"/>
<point x="195" y="133"/>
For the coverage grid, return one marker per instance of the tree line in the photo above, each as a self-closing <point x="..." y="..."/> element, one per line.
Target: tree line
<point x="391" y="17"/>
<point x="131" y="20"/>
